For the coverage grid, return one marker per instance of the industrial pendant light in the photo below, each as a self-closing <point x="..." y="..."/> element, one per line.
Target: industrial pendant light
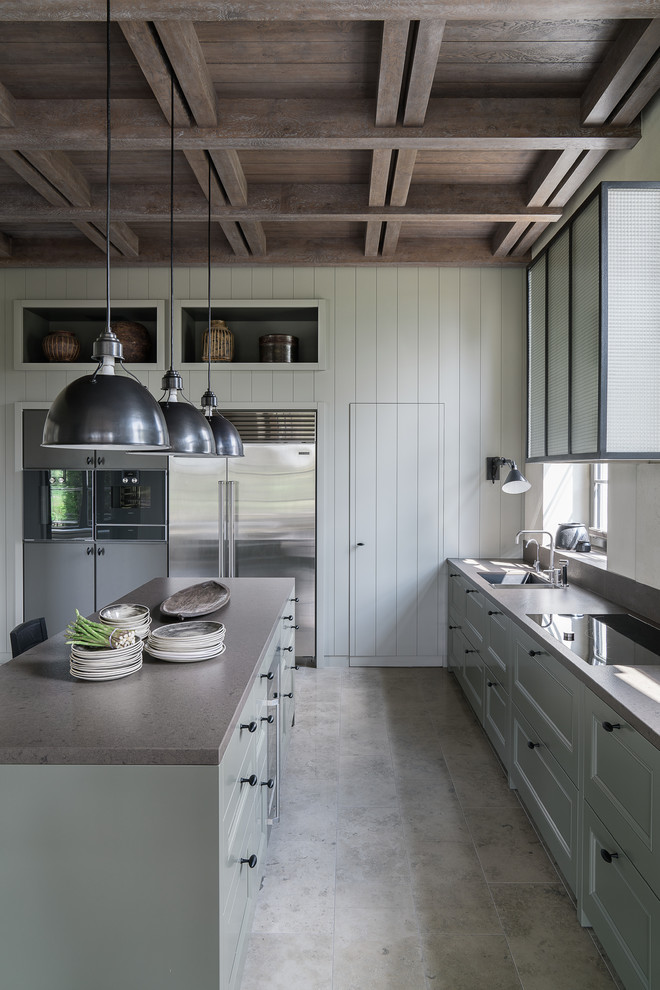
<point x="189" y="432"/>
<point x="228" y="442"/>
<point x="102" y="410"/>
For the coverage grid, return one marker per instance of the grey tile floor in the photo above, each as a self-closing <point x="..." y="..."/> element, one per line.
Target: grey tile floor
<point x="403" y="861"/>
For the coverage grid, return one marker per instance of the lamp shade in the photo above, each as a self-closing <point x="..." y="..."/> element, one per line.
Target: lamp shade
<point x="188" y="430"/>
<point x="515" y="483"/>
<point x="228" y="442"/>
<point x="105" y="412"/>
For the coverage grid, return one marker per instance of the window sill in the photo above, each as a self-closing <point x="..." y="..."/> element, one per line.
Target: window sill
<point x="595" y="558"/>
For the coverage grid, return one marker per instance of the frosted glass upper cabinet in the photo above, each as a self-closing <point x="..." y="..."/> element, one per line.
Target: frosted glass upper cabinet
<point x="58" y="334"/>
<point x="248" y="320"/>
<point x="593" y="331"/>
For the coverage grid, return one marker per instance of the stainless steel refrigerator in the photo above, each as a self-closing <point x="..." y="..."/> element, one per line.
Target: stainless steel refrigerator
<point x="252" y="516"/>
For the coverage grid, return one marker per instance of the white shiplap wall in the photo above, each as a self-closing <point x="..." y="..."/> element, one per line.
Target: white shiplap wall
<point x="440" y="335"/>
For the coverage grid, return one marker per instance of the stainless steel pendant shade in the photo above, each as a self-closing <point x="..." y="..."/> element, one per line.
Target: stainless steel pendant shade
<point x="188" y="430"/>
<point x="227" y="439"/>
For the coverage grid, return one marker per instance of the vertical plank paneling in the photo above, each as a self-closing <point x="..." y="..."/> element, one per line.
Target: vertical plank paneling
<point x="303" y="283"/>
<point x="241" y="283"/>
<point x="56" y="283"/>
<point x="364" y="497"/>
<point x="449" y="329"/>
<point x="262" y="283"/>
<point x="344" y="394"/>
<point x="407" y="478"/>
<point x="387" y="537"/>
<point x="365" y="335"/>
<point x="220" y="283"/>
<point x="241" y="386"/>
<point x="76" y="283"/>
<point x="282" y="386"/>
<point x="35" y="284"/>
<point x="469" y="411"/>
<point x="303" y="386"/>
<point x="119" y="282"/>
<point x="513" y="399"/>
<point x="262" y="386"/>
<point x="324" y="288"/>
<point x="490" y="395"/>
<point x="387" y="341"/>
<point x="428" y="352"/>
<point x="198" y="283"/>
<point x="408" y="334"/>
<point x="138" y="283"/>
<point x="429" y="526"/>
<point x="283" y="283"/>
<point x="96" y="284"/>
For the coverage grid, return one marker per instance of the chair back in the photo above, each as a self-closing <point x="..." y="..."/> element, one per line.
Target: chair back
<point x="27" y="634"/>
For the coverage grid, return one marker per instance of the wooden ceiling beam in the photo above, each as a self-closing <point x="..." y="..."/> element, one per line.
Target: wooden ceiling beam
<point x="456" y="125"/>
<point x="145" y="45"/>
<point x="634" y="48"/>
<point x="428" y="39"/>
<point x="7" y="105"/>
<point x="390" y="75"/>
<point x="321" y="10"/>
<point x="548" y="174"/>
<point x="639" y="95"/>
<point x="505" y="240"/>
<point x="184" y="51"/>
<point x="6" y="245"/>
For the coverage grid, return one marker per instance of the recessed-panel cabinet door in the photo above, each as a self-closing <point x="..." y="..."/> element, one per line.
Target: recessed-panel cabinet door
<point x="58" y="578"/>
<point x="122" y="566"/>
<point x="397" y="548"/>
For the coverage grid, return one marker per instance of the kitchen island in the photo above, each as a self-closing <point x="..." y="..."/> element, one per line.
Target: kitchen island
<point x="133" y="813"/>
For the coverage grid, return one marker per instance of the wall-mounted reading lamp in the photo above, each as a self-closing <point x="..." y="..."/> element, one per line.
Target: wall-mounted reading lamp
<point x="514" y="483"/>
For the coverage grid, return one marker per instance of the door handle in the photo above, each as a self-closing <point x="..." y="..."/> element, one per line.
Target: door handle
<point x="100" y="551"/>
<point x="359" y="544"/>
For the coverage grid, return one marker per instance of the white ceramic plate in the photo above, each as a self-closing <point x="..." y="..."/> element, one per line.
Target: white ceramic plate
<point x="188" y="631"/>
<point x="124" y="613"/>
<point x="110" y="676"/>
<point x="187" y="657"/>
<point x="93" y="656"/>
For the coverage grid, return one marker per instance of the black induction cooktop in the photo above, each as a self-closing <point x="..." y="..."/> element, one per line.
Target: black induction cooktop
<point x="619" y="638"/>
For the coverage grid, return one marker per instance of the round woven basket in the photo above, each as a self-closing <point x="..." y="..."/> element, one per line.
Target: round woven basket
<point x="134" y="339"/>
<point x="62" y="345"/>
<point x="222" y="342"/>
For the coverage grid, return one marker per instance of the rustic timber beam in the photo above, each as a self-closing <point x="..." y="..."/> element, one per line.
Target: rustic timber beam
<point x="451" y="124"/>
<point x="323" y="10"/>
<point x="452" y="252"/>
<point x="390" y="75"/>
<point x="639" y="95"/>
<point x="633" y="49"/>
<point x="548" y="174"/>
<point x="6" y="107"/>
<point x="317" y="202"/>
<point x="6" y="245"/>
<point x="184" y="51"/>
<point x="506" y="239"/>
<point x="428" y="39"/>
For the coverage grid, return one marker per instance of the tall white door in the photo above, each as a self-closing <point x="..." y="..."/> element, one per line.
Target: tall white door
<point x="396" y="532"/>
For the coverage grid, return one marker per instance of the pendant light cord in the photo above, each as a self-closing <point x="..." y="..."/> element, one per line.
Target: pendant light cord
<point x="208" y="277"/>
<point x="171" y="220"/>
<point x="107" y="166"/>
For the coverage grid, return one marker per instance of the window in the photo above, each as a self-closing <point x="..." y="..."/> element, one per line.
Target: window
<point x="598" y="520"/>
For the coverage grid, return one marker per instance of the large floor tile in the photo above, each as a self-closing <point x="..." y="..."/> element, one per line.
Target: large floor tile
<point x="464" y="908"/>
<point x="295" y="902"/>
<point x="371" y="845"/>
<point x="442" y="861"/>
<point x="366" y="784"/>
<point x="288" y="962"/>
<point x="481" y="786"/>
<point x="508" y="847"/>
<point x="378" y="964"/>
<point x="470" y="962"/>
<point x="549" y="947"/>
<point x="374" y="910"/>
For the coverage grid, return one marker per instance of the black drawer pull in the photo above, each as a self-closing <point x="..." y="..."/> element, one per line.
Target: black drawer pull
<point x="251" y="780"/>
<point x="611" y="726"/>
<point x="269" y="676"/>
<point x="454" y="627"/>
<point x="294" y="667"/>
<point x="494" y="613"/>
<point x="90" y="550"/>
<point x="90" y="460"/>
<point x="608" y="856"/>
<point x="289" y="617"/>
<point x="251" y="861"/>
<point x="491" y="683"/>
<point x="532" y="745"/>
<point x="250" y="726"/>
<point x="471" y="591"/>
<point x="289" y="695"/>
<point x="536" y="653"/>
<point x="270" y="783"/>
<point x="292" y="627"/>
<point x="267" y="718"/>
<point x="454" y="575"/>
<point x="287" y="649"/>
<point x="294" y="599"/>
<point x="472" y="651"/>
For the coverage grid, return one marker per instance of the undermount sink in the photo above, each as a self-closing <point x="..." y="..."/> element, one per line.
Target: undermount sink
<point x="514" y="579"/>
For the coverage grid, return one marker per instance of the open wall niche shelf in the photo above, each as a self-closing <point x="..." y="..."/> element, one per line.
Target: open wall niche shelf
<point x="35" y="319"/>
<point x="249" y="319"/>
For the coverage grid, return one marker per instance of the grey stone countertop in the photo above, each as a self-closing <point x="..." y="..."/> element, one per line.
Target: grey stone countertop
<point x="166" y="713"/>
<point x="634" y="692"/>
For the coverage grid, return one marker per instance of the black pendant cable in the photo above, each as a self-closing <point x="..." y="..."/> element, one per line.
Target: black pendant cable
<point x="228" y="442"/>
<point x="105" y="411"/>
<point x="189" y="432"/>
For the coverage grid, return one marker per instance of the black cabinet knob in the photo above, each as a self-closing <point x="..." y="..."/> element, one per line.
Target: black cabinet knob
<point x="292" y="627"/>
<point x="294" y="599"/>
<point x="608" y="856"/>
<point x="287" y="649"/>
<point x="532" y="745"/>
<point x="250" y="860"/>
<point x="611" y="726"/>
<point x="536" y="653"/>
<point x="294" y="667"/>
<point x="251" y="780"/>
<point x="289" y="695"/>
<point x="268" y="718"/>
<point x="471" y="591"/>
<point x="270" y="783"/>
<point x="359" y="544"/>
<point x="289" y="617"/>
<point x="269" y="676"/>
<point x="491" y="683"/>
<point x="490" y="612"/>
<point x="250" y="726"/>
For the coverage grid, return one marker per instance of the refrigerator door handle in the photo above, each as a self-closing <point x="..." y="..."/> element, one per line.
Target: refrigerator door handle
<point x="222" y="516"/>
<point x="231" y="529"/>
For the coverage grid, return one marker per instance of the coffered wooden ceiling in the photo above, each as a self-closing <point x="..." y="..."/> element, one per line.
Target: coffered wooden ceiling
<point x="342" y="132"/>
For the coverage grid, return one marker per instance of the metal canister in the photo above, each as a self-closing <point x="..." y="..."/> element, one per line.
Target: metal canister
<point x="278" y="347"/>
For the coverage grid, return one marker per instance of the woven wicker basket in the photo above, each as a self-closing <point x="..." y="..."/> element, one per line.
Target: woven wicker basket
<point x="62" y="345"/>
<point x="222" y="342"/>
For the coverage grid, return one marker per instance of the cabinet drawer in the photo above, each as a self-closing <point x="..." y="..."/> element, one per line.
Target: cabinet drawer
<point x="476" y="609"/>
<point x="236" y="886"/>
<point x="454" y="637"/>
<point x="473" y="680"/>
<point x="622" y="784"/>
<point x="497" y="714"/>
<point x="498" y="644"/>
<point x="623" y="911"/>
<point x="457" y="588"/>
<point x="550" y="796"/>
<point x="548" y="696"/>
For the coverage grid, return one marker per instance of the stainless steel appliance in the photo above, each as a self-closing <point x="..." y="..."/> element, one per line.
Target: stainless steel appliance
<point x="252" y="516"/>
<point x="617" y="639"/>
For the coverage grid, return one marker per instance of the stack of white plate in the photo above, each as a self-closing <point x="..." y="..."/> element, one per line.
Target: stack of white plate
<point x="93" y="664"/>
<point x="186" y="642"/>
<point x="126" y="616"/>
